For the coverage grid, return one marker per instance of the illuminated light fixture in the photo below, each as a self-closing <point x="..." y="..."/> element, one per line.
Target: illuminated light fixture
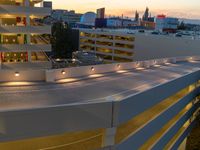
<point x="137" y="64"/>
<point x="140" y="68"/>
<point x="92" y="69"/>
<point x="68" y="80"/>
<point x="95" y="75"/>
<point x="122" y="71"/>
<point x="63" y="72"/>
<point x="157" y="65"/>
<point x="191" y="59"/>
<point x="17" y="74"/>
<point x="118" y="66"/>
<point x="167" y="63"/>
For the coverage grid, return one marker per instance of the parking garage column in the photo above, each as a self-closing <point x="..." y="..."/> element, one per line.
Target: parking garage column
<point x="28" y="36"/>
<point x="109" y="138"/>
<point x="27" y="3"/>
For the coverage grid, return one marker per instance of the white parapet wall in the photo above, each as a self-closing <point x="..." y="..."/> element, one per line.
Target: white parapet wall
<point x="54" y="75"/>
<point x="22" y="75"/>
<point x="84" y="71"/>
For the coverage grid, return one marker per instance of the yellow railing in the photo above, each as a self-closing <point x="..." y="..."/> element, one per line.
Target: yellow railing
<point x="130" y="127"/>
<point x="85" y="140"/>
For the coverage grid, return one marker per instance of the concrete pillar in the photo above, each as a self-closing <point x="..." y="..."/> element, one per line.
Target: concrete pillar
<point x="29" y="42"/>
<point x="0" y="60"/>
<point x="27" y="3"/>
<point x="113" y="51"/>
<point x="113" y="54"/>
<point x="1" y="38"/>
<point x="28" y="38"/>
<point x="95" y="44"/>
<point x="1" y="41"/>
<point x="109" y="138"/>
<point x="173" y="60"/>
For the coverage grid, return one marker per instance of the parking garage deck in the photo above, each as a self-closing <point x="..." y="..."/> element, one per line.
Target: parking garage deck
<point x="113" y="86"/>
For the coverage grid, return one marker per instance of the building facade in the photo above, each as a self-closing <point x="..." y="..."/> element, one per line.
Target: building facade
<point x="48" y="4"/>
<point x="101" y="13"/>
<point x="22" y="38"/>
<point x="123" y="45"/>
<point x="69" y="17"/>
<point x="111" y="46"/>
<point x="166" y="23"/>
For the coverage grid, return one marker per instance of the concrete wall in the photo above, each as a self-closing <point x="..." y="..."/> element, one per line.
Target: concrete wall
<point x="25" y="47"/>
<point x="56" y="74"/>
<point x="52" y="75"/>
<point x="24" y="75"/>
<point x="158" y="46"/>
<point x="26" y="29"/>
<point x="54" y="120"/>
<point x="9" y="9"/>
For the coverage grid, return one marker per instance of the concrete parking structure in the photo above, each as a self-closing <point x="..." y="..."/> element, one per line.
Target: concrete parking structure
<point x="139" y="107"/>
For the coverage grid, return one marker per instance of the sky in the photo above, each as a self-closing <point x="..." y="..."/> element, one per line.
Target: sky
<point x="174" y="8"/>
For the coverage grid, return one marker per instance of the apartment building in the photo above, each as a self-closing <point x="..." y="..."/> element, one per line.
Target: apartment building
<point x="111" y="46"/>
<point x="123" y="45"/>
<point x="23" y="39"/>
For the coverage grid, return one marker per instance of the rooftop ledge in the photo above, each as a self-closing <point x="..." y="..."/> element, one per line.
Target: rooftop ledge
<point x="64" y="75"/>
<point x="56" y="87"/>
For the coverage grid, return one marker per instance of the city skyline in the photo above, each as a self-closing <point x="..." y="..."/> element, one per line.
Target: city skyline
<point x="179" y="8"/>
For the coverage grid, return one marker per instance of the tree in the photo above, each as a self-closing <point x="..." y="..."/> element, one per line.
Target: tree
<point x="64" y="40"/>
<point x="182" y="26"/>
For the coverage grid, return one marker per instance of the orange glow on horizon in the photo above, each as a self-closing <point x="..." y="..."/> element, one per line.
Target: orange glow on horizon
<point x="178" y="8"/>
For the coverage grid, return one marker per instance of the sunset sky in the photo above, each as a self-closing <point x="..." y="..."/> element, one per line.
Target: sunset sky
<point x="177" y="8"/>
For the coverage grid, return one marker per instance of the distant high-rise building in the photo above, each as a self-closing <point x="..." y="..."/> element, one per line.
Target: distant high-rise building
<point x="146" y="15"/>
<point x="47" y="4"/>
<point x="137" y="16"/>
<point x="101" y="13"/>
